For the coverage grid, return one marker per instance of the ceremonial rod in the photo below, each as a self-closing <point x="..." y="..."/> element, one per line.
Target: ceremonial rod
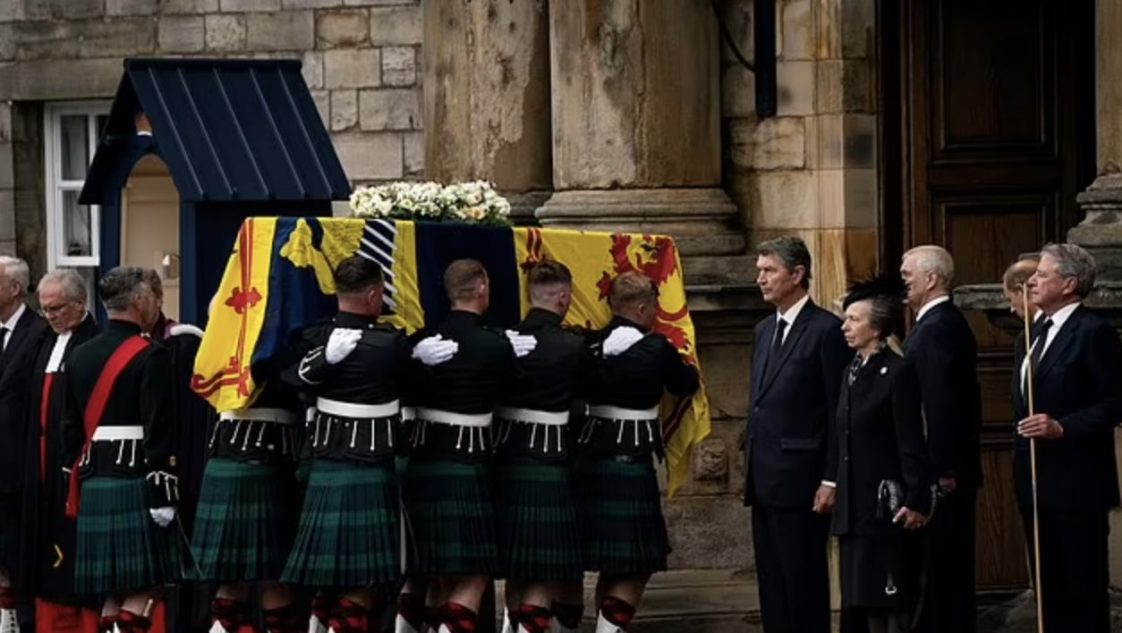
<point x="1032" y="457"/>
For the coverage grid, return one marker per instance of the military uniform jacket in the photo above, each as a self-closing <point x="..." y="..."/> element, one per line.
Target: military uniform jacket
<point x="140" y="397"/>
<point x="475" y="380"/>
<point x="879" y="437"/>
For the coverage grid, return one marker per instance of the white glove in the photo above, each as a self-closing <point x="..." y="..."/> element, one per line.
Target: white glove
<point x="523" y="344"/>
<point x="340" y="344"/>
<point x="163" y="516"/>
<point x="620" y="340"/>
<point x="435" y="350"/>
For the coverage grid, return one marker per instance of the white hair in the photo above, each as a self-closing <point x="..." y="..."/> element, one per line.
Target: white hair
<point x="15" y="269"/>
<point x="72" y="284"/>
<point x="930" y="258"/>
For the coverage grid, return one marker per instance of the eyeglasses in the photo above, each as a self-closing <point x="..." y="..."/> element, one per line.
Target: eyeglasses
<point x="48" y="311"/>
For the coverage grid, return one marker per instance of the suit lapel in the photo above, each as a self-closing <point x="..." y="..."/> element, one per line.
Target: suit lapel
<point x="1059" y="344"/>
<point x="797" y="329"/>
<point x="759" y="355"/>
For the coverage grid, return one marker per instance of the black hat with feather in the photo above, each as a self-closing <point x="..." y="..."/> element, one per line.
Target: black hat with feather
<point x="885" y="294"/>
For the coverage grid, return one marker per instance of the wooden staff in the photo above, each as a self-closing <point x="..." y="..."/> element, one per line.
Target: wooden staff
<point x="1029" y="369"/>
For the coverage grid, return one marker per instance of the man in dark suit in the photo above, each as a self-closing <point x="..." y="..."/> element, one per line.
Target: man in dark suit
<point x="943" y="350"/>
<point x="1077" y="374"/>
<point x="20" y="332"/>
<point x="800" y="356"/>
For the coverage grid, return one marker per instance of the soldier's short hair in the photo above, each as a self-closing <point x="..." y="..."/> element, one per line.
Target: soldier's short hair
<point x="120" y="286"/>
<point x="357" y="274"/>
<point x="791" y="251"/>
<point x="632" y="289"/>
<point x="152" y="278"/>
<point x="1073" y="262"/>
<point x="1019" y="272"/>
<point x="462" y="277"/>
<point x="931" y="258"/>
<point x="15" y="269"/>
<point x="72" y="285"/>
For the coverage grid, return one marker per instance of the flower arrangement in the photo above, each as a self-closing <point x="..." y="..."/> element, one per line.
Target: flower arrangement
<point x="466" y="202"/>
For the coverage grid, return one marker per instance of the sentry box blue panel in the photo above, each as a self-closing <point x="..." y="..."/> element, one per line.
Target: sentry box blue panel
<point x="240" y="138"/>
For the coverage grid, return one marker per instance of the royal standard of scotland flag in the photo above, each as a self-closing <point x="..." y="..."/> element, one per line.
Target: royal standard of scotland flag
<point x="278" y="280"/>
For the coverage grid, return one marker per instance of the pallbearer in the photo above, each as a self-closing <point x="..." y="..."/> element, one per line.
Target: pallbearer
<point x="348" y="540"/>
<point x="623" y="531"/>
<point x="48" y="536"/>
<point x="538" y="536"/>
<point x="118" y="437"/>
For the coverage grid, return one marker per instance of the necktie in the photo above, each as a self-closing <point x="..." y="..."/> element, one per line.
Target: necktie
<point x="1039" y="337"/>
<point x="4" y="331"/>
<point x="776" y="344"/>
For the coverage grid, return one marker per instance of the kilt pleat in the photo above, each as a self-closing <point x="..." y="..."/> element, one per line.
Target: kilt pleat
<point x="119" y="548"/>
<point x="245" y="521"/>
<point x="620" y="513"/>
<point x="348" y="535"/>
<point x="451" y="518"/>
<point x="538" y="531"/>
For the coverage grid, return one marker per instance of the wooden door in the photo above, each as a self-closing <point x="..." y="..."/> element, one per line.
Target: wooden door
<point x="995" y="110"/>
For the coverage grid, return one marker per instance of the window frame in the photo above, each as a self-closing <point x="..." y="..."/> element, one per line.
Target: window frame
<point x="57" y="187"/>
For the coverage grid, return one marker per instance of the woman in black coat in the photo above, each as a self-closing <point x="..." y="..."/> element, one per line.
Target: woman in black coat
<point x="883" y="486"/>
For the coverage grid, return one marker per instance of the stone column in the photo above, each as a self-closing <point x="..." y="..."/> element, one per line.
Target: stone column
<point x="636" y="122"/>
<point x="486" y="92"/>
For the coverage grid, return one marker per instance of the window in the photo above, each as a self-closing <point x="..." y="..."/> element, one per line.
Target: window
<point x="71" y="134"/>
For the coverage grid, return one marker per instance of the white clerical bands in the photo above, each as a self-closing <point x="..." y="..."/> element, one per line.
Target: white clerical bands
<point x="259" y="414"/>
<point x="608" y="412"/>
<point x="533" y="416"/>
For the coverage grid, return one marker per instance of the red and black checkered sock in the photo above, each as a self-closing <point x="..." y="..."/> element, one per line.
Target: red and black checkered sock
<point x="129" y="622"/>
<point x="617" y="611"/>
<point x="287" y="619"/>
<point x="458" y="618"/>
<point x="349" y="616"/>
<point x="532" y="618"/>
<point x="231" y="614"/>
<point x="321" y="607"/>
<point x="7" y="598"/>
<point x="105" y="624"/>
<point x="567" y="614"/>
<point x="411" y="608"/>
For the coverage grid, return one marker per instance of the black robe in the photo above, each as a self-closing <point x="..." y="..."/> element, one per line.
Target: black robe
<point x="47" y="536"/>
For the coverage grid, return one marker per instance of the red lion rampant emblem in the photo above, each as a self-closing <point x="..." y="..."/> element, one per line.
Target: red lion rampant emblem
<point x="654" y="258"/>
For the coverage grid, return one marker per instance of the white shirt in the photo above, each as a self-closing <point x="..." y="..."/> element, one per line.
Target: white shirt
<point x="1058" y="319"/>
<point x="10" y="324"/>
<point x="790" y="315"/>
<point x="931" y="304"/>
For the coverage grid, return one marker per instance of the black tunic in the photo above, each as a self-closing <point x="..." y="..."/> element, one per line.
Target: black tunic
<point x="475" y="379"/>
<point x="48" y="541"/>
<point x="141" y="397"/>
<point x="879" y="437"/>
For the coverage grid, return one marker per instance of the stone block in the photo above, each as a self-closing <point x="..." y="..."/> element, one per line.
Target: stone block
<point x="50" y="80"/>
<point x="858" y="28"/>
<point x="7" y="215"/>
<point x="844" y="86"/>
<point x="7" y="168"/>
<point x="780" y="199"/>
<point x="182" y="34"/>
<point x="414" y="153"/>
<point x="322" y="99"/>
<point x="367" y="157"/>
<point x="396" y="25"/>
<point x="738" y="92"/>
<point x="6" y="114"/>
<point x="398" y="109"/>
<point x="61" y="9"/>
<point x="845" y="141"/>
<point x="11" y="11"/>
<point x="696" y="523"/>
<point x="250" y="5"/>
<point x="737" y="17"/>
<point x="46" y="40"/>
<point x="399" y="66"/>
<point x="377" y="3"/>
<point x="773" y="143"/>
<point x="352" y="68"/>
<point x="131" y="7"/>
<point x="7" y="42"/>
<point x="283" y="31"/>
<point x="346" y="28"/>
<point x="188" y="6"/>
<point x="311" y="66"/>
<point x="795" y="87"/>
<point x="827" y="34"/>
<point x="225" y="33"/>
<point x="118" y="38"/>
<point x="796" y="30"/>
<point x="344" y="109"/>
<point x="311" y="4"/>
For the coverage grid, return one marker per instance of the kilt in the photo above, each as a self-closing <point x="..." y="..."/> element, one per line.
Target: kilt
<point x="450" y="517"/>
<point x="119" y="548"/>
<point x="538" y="533"/>
<point x="620" y="513"/>
<point x="348" y="535"/>
<point x="245" y="521"/>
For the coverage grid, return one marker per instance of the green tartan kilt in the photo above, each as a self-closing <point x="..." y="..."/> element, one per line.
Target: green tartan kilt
<point x="450" y="517"/>
<point x="538" y="532"/>
<point x="245" y="521"/>
<point x="620" y="514"/>
<point x="348" y="535"/>
<point x="120" y="549"/>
